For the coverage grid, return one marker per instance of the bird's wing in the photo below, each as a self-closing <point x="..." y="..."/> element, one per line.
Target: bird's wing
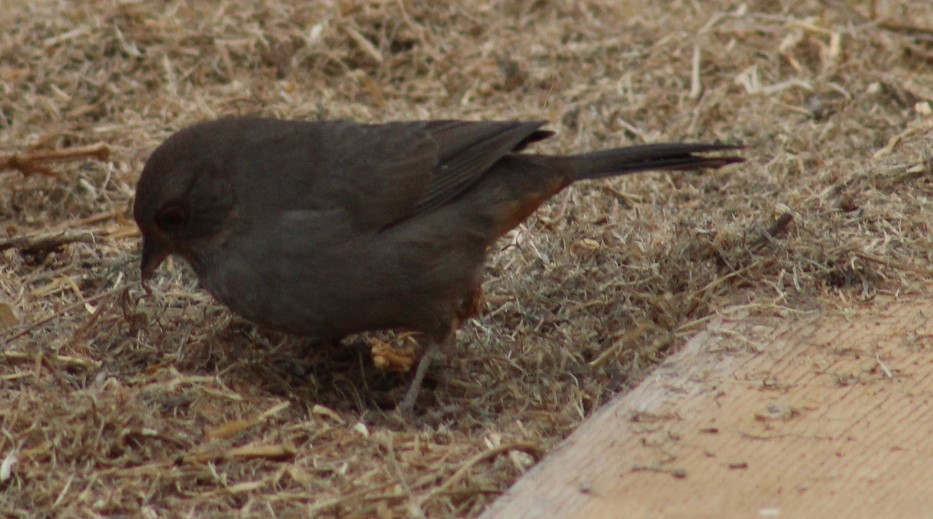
<point x="467" y="149"/>
<point x="383" y="174"/>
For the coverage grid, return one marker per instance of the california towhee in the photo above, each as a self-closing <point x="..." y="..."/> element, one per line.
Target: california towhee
<point x="331" y="228"/>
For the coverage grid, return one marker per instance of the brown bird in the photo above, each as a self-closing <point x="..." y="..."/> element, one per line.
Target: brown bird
<point x="331" y="228"/>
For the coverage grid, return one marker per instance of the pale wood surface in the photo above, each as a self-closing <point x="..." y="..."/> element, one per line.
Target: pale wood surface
<point x="818" y="415"/>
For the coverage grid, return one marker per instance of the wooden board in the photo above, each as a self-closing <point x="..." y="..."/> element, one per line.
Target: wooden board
<point x="827" y="415"/>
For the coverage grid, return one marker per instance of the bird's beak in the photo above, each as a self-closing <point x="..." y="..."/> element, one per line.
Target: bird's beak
<point x="154" y="253"/>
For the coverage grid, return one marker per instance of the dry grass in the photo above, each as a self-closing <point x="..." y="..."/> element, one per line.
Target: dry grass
<point x="113" y="401"/>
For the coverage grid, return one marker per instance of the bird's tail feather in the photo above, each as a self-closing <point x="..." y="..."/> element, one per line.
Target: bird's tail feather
<point x="620" y="161"/>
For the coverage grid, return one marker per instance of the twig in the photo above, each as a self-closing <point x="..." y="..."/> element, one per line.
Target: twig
<point x="13" y="356"/>
<point x="32" y="162"/>
<point x="44" y="242"/>
<point x="884" y="367"/>
<point x="349" y="498"/>
<point x="778" y="227"/>
<point x="893" y="264"/>
<point x="365" y="45"/>
<point x="696" y="87"/>
<point x="628" y="338"/>
<point x="907" y="28"/>
<point x="531" y="448"/>
<point x="272" y="452"/>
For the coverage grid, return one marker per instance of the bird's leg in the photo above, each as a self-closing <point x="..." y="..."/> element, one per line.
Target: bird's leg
<point x="471" y="306"/>
<point x="407" y="405"/>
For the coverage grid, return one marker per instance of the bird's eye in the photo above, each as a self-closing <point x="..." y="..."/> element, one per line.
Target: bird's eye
<point x="172" y="217"/>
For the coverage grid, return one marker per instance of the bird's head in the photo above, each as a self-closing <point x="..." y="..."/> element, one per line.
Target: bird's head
<point x="183" y="198"/>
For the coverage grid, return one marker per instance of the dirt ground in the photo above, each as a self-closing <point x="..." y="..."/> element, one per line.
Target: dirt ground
<point x="114" y="401"/>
